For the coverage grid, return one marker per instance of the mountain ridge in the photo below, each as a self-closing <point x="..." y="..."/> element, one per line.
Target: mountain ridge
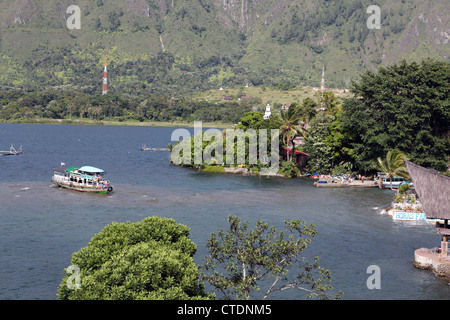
<point x="183" y="47"/>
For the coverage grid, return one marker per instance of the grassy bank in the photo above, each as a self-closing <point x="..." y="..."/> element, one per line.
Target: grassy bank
<point x="219" y="125"/>
<point x="271" y="95"/>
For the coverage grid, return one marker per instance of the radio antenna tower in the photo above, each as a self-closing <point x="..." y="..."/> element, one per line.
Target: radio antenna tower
<point x="105" y="80"/>
<point x="322" y="86"/>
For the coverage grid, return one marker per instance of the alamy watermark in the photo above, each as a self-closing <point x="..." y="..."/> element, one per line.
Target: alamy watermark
<point x="374" y="20"/>
<point x="74" y="280"/>
<point x="74" y="20"/>
<point x="208" y="147"/>
<point x="374" y="280"/>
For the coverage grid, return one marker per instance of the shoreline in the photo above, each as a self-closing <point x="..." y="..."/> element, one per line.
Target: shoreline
<point x="128" y="123"/>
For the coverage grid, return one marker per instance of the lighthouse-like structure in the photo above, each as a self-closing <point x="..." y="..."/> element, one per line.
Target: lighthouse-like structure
<point x="105" y="80"/>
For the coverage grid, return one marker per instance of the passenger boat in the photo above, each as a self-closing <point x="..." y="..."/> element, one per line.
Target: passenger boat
<point x="86" y="179"/>
<point x="397" y="181"/>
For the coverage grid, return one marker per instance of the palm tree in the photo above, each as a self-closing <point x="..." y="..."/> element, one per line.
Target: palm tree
<point x="292" y="125"/>
<point x="393" y="165"/>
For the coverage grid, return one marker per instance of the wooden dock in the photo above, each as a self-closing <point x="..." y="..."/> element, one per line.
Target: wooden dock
<point x="11" y="151"/>
<point x="346" y="184"/>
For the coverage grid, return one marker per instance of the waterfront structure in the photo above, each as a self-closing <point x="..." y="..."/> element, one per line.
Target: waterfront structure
<point x="11" y="152"/>
<point x="105" y="80"/>
<point x="300" y="158"/>
<point x="433" y="190"/>
<point x="145" y="148"/>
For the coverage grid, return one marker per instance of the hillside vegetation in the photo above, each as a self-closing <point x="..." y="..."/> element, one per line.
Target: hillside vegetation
<point x="182" y="47"/>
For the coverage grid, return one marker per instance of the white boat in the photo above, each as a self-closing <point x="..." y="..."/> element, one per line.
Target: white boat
<point x="396" y="182"/>
<point x="86" y="179"/>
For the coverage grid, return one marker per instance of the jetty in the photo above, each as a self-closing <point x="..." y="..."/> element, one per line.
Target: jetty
<point x="346" y="184"/>
<point x="144" y="148"/>
<point x="11" y="151"/>
<point x="433" y="189"/>
<point x="433" y="259"/>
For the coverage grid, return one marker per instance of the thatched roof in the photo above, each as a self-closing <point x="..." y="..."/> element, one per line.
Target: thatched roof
<point x="433" y="189"/>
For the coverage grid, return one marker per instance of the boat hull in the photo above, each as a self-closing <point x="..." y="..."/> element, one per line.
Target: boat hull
<point x="395" y="185"/>
<point x="82" y="188"/>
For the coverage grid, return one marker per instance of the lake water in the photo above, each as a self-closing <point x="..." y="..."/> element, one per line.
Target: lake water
<point x="42" y="225"/>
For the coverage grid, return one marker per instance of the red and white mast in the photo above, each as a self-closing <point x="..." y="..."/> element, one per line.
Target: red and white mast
<point x="105" y="80"/>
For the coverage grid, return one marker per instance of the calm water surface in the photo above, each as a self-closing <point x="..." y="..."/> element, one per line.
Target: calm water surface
<point x="41" y="225"/>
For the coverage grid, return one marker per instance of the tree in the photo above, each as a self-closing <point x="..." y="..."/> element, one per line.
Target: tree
<point x="289" y="169"/>
<point x="327" y="100"/>
<point x="402" y="106"/>
<point x="393" y="165"/>
<point x="250" y="256"/>
<point x="340" y="141"/>
<point x="250" y="120"/>
<point x="308" y="109"/>
<point x="151" y="259"/>
<point x="292" y="125"/>
<point x="321" y="153"/>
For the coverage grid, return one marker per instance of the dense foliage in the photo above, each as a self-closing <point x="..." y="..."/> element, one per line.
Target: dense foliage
<point x="151" y="259"/>
<point x="404" y="106"/>
<point x="179" y="47"/>
<point x="57" y="104"/>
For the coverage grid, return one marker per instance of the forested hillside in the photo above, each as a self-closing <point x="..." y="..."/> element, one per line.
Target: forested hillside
<point x="182" y="47"/>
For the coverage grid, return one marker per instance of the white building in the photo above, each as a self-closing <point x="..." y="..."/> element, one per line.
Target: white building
<point x="268" y="112"/>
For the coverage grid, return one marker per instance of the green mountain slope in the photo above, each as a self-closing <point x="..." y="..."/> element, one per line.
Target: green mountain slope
<point x="179" y="47"/>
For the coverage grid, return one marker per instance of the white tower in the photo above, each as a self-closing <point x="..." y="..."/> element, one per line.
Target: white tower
<point x="105" y="80"/>
<point x="268" y="112"/>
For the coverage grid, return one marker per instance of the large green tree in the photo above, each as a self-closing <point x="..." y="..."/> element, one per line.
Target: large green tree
<point x="404" y="106"/>
<point x="321" y="153"/>
<point x="151" y="259"/>
<point x="340" y="141"/>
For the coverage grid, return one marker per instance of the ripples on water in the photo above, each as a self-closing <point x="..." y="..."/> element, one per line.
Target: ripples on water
<point x="41" y="225"/>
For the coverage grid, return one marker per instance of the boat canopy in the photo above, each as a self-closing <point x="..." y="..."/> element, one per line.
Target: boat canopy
<point x="90" y="169"/>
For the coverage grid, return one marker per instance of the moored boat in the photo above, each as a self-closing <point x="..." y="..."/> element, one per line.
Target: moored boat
<point x="396" y="183"/>
<point x="386" y="183"/>
<point x="86" y="179"/>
